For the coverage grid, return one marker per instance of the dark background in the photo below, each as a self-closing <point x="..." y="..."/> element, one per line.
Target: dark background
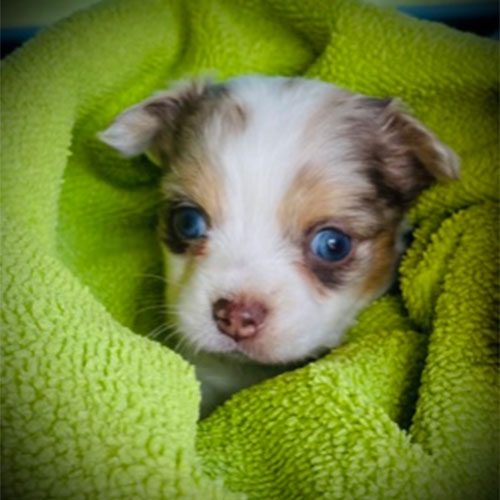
<point x="21" y="19"/>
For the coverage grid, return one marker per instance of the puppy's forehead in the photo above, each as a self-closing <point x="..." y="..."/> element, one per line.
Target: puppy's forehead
<point x="287" y="124"/>
<point x="274" y="146"/>
<point x="283" y="116"/>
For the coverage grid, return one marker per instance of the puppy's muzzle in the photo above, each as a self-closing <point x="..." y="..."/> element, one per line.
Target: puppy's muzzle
<point x="239" y="319"/>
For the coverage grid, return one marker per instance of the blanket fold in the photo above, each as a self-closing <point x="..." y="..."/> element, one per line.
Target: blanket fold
<point x="93" y="408"/>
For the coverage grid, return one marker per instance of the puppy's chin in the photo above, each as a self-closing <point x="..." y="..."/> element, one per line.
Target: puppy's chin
<point x="253" y="351"/>
<point x="260" y="351"/>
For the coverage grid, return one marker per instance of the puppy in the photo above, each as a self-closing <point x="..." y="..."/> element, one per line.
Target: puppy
<point x="283" y="215"/>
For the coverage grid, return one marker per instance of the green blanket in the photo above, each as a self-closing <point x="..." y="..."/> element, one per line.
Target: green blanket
<point x="93" y="408"/>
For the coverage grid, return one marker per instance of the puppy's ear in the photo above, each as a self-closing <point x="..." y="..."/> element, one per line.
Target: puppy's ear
<point x="410" y="156"/>
<point x="437" y="158"/>
<point x="138" y="129"/>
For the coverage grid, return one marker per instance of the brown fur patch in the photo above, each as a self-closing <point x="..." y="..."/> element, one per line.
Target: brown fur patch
<point x="314" y="197"/>
<point x="189" y="173"/>
<point x="197" y="183"/>
<point x="314" y="201"/>
<point x="383" y="260"/>
<point x="402" y="156"/>
<point x="436" y="158"/>
<point x="194" y="111"/>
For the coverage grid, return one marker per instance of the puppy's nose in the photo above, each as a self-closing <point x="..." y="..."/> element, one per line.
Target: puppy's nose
<point x="238" y="319"/>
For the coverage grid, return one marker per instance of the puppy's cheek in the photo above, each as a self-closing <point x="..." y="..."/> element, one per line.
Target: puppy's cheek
<point x="180" y="271"/>
<point x="315" y="327"/>
<point x="294" y="332"/>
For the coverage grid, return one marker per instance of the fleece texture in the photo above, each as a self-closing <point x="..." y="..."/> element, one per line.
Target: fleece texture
<point x="94" y="409"/>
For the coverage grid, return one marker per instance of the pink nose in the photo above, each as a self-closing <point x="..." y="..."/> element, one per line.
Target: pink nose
<point x="238" y="319"/>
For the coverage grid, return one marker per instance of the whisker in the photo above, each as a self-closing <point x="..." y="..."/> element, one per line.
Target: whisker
<point x="196" y="347"/>
<point x="159" y="307"/>
<point x="156" y="302"/>
<point x="182" y="341"/>
<point x="159" y="277"/>
<point x="157" y="331"/>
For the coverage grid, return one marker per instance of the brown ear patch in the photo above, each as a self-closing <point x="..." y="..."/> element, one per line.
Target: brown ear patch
<point x="397" y="177"/>
<point x="164" y="124"/>
<point x="401" y="155"/>
<point x="137" y="129"/>
<point x="438" y="159"/>
<point x="169" y="109"/>
<point x="185" y="122"/>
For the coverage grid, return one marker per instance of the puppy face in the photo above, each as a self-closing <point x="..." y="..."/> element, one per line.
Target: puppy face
<point x="284" y="200"/>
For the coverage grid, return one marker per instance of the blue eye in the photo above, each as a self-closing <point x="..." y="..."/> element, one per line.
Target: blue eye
<point x="189" y="223"/>
<point x="330" y="244"/>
